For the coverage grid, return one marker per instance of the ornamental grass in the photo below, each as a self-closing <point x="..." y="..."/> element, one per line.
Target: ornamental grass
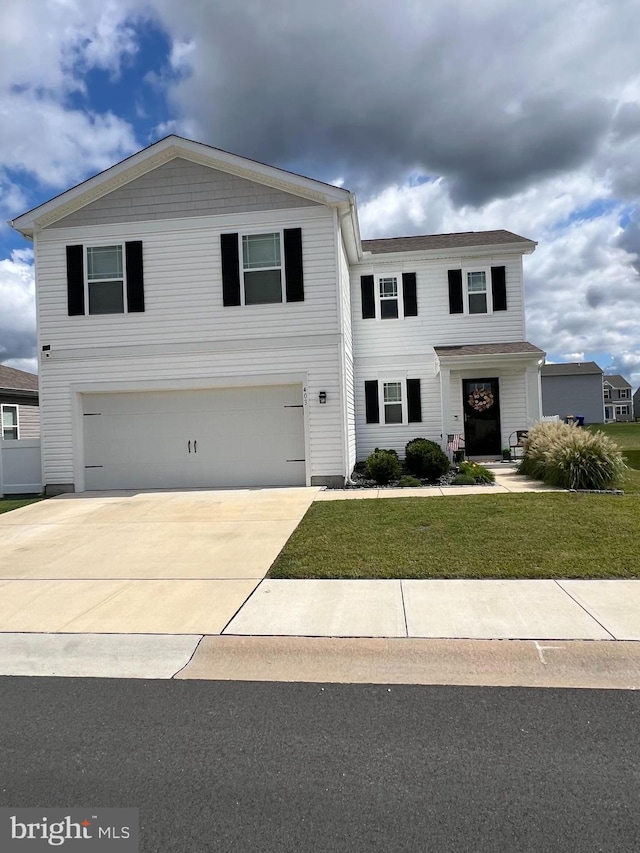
<point x="568" y="457"/>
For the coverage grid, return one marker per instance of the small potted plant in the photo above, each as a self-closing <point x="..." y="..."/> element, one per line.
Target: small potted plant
<point x="506" y="454"/>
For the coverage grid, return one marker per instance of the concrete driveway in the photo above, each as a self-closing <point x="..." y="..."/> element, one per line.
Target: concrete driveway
<point x="140" y="562"/>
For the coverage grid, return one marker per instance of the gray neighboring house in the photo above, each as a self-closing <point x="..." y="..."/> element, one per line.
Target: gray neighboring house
<point x="573" y="389"/>
<point x="19" y="409"/>
<point x="636" y="404"/>
<point x="618" y="404"/>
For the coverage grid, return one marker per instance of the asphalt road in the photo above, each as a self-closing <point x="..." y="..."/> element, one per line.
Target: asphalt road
<point x="228" y="766"/>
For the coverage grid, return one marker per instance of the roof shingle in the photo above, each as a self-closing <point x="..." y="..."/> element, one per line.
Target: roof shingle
<point x="442" y="241"/>
<point x="571" y="368"/>
<point x="17" y="380"/>
<point x="510" y="348"/>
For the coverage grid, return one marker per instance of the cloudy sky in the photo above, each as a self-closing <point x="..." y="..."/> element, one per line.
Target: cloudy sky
<point x="442" y="115"/>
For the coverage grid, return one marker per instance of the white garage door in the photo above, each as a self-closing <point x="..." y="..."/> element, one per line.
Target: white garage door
<point x="211" y="438"/>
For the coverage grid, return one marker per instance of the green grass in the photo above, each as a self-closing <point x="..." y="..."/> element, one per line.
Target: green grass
<point x="626" y="436"/>
<point x="485" y="536"/>
<point x="7" y="504"/>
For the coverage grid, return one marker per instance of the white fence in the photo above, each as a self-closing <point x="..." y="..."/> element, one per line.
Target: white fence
<point x="20" y="467"/>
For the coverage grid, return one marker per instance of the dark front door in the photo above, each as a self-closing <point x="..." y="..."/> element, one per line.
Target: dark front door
<point x="481" y="417"/>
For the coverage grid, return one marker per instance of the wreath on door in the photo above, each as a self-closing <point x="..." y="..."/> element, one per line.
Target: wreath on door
<point x="481" y="399"/>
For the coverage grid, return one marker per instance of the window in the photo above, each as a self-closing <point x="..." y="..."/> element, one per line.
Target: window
<point x="259" y="269"/>
<point x="401" y="401"/>
<point x="392" y="402"/>
<point x="262" y="268"/>
<point x="622" y="410"/>
<point x="477" y="291"/>
<point x="388" y="298"/>
<point x="624" y="394"/>
<point x="607" y="392"/>
<point x="10" y="423"/>
<point x="105" y="280"/>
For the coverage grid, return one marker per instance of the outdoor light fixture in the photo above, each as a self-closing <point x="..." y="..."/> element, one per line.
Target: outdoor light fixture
<point x="322" y="397"/>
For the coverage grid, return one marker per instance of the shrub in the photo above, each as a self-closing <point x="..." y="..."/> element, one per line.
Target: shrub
<point x="463" y="480"/>
<point x="409" y="482"/>
<point x="382" y="466"/>
<point x="477" y="472"/>
<point x="571" y="458"/>
<point x="425" y="459"/>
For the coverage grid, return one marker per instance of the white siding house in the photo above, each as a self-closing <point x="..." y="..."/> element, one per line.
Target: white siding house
<point x="202" y="323"/>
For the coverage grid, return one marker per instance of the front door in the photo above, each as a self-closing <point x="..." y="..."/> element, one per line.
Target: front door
<point x="481" y="417"/>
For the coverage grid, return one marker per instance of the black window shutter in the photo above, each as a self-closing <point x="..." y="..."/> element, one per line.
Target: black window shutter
<point x="499" y="288"/>
<point x="456" y="305"/>
<point x="135" y="277"/>
<point x="414" y="401"/>
<point x="409" y="294"/>
<point x="372" y="408"/>
<point x="75" y="280"/>
<point x="230" y="269"/>
<point x="293" y="264"/>
<point x="368" y="297"/>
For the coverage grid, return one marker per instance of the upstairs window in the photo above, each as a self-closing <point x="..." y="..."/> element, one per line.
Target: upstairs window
<point x="624" y="394"/>
<point x="477" y="292"/>
<point x="262" y="267"/>
<point x="10" y="423"/>
<point x="388" y="298"/>
<point x="607" y="392"/>
<point x="105" y="280"/>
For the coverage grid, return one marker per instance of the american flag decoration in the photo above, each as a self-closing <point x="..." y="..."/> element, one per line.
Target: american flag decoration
<point x="453" y="443"/>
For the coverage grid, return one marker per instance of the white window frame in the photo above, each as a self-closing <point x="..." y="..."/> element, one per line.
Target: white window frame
<point x="465" y="289"/>
<point x="109" y="244"/>
<point x="618" y="410"/>
<point x="17" y="426"/>
<point x="624" y="394"/>
<point x="606" y="393"/>
<point x="283" y="283"/>
<point x="378" y="279"/>
<point x="387" y="380"/>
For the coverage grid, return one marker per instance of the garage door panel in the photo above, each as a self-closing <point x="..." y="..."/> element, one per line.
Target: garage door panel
<point x="244" y="436"/>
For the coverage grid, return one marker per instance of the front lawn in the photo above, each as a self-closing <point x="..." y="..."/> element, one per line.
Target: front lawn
<point x="7" y="504"/>
<point x="625" y="435"/>
<point x="552" y="535"/>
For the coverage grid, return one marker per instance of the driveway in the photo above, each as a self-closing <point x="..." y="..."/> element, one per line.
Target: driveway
<point x="140" y="562"/>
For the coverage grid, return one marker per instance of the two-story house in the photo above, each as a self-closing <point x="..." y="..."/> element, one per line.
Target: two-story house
<point x="208" y="321"/>
<point x="618" y="404"/>
<point x="573" y="390"/>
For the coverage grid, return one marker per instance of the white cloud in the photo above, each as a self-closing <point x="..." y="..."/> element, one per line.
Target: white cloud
<point x="18" y="316"/>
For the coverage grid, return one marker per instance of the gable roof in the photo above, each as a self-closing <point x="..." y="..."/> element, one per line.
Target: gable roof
<point x="17" y="380"/>
<point x="572" y="368"/>
<point x="617" y="381"/>
<point x="168" y="149"/>
<point x="465" y="239"/>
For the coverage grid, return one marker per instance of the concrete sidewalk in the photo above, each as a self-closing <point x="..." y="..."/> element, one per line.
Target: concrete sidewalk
<point x="484" y="632"/>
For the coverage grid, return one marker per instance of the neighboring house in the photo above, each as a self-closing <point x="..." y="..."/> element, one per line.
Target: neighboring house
<point x="573" y="389"/>
<point x="206" y="320"/>
<point x="618" y="403"/>
<point x="19" y="412"/>
<point x="636" y="404"/>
